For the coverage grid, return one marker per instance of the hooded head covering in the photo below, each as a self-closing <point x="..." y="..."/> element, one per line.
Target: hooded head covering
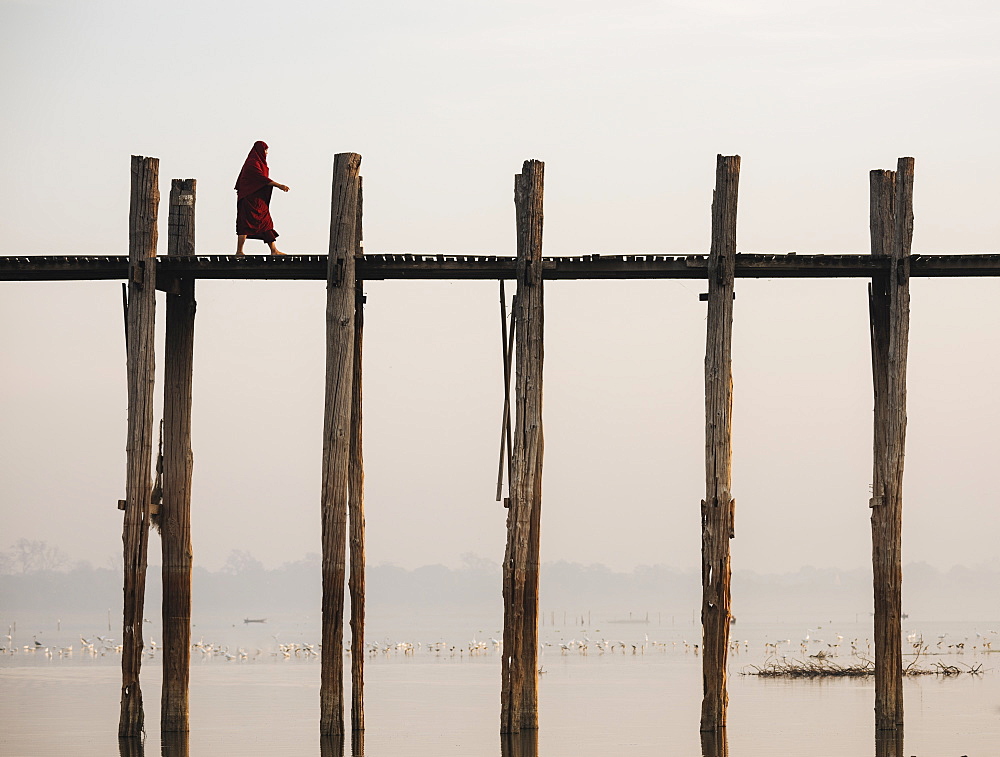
<point x="254" y="174"/>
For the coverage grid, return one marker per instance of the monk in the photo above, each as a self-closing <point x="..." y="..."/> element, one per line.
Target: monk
<point x="253" y="193"/>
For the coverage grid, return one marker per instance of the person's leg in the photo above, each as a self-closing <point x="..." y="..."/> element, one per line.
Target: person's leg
<point x="240" y="241"/>
<point x="274" y="249"/>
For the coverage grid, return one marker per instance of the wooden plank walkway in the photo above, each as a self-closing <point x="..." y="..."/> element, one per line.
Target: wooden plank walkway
<point x="488" y="267"/>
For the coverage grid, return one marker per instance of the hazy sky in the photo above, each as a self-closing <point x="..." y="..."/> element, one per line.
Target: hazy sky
<point x="628" y="104"/>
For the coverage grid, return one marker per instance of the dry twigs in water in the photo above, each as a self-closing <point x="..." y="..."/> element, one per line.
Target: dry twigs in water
<point x="824" y="668"/>
<point x="819" y="668"/>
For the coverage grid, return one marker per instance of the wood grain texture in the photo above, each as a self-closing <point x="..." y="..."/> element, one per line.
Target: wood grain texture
<point x="181" y="216"/>
<point x="519" y="667"/>
<point x="356" y="514"/>
<point x="143" y="206"/>
<point x="717" y="509"/>
<point x="335" y="494"/>
<point x="178" y="467"/>
<point x="891" y="226"/>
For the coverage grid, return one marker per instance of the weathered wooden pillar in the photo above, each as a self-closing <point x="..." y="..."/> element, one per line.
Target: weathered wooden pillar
<point x="889" y="310"/>
<point x="174" y="518"/>
<point x="143" y="205"/>
<point x="340" y="358"/>
<point x="519" y="668"/>
<point x="718" y="507"/>
<point x="356" y="490"/>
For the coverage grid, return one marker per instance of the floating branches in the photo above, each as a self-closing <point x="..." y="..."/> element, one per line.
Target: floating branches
<point x="816" y="667"/>
<point x="823" y="667"/>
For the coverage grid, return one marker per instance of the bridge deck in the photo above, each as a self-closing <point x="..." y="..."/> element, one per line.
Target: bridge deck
<point x="419" y="266"/>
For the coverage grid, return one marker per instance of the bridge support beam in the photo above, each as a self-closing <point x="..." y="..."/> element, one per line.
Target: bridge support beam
<point x="174" y="518"/>
<point x="356" y="506"/>
<point x="339" y="393"/>
<point x="718" y="507"/>
<point x="143" y="205"/>
<point x="889" y="311"/>
<point x="519" y="667"/>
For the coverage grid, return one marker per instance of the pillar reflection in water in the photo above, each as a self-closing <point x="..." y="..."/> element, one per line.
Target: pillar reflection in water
<point x="715" y="743"/>
<point x="130" y="746"/>
<point x="889" y="743"/>
<point x="333" y="745"/>
<point x="523" y="744"/>
<point x="175" y="744"/>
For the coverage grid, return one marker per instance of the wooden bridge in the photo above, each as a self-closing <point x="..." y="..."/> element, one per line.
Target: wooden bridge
<point x="889" y="266"/>
<point x="488" y="267"/>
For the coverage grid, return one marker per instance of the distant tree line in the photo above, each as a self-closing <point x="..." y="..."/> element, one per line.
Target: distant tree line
<point x="38" y="577"/>
<point x="27" y="556"/>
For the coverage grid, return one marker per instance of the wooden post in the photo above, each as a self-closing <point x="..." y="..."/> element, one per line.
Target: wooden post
<point x="718" y="507"/>
<point x="889" y="310"/>
<point x="519" y="667"/>
<point x="178" y="462"/>
<point x="143" y="205"/>
<point x="340" y="303"/>
<point x="356" y="490"/>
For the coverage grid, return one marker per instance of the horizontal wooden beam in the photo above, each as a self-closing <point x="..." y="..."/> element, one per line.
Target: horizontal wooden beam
<point x="488" y="267"/>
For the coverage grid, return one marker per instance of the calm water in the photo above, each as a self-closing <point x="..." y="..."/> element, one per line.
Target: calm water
<point x="446" y="701"/>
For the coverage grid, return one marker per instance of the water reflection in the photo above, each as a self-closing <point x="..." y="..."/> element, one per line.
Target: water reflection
<point x="333" y="746"/>
<point x="523" y="744"/>
<point x="130" y="747"/>
<point x="715" y="743"/>
<point x="171" y="745"/>
<point x="889" y="743"/>
<point x="175" y="744"/>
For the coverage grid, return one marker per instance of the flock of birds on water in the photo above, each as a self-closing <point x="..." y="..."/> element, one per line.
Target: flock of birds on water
<point x="809" y="646"/>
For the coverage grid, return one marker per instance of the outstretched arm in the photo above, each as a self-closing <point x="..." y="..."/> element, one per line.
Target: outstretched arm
<point x="282" y="187"/>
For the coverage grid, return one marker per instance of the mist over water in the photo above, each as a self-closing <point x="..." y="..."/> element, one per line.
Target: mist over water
<point x="621" y="670"/>
<point x="609" y="685"/>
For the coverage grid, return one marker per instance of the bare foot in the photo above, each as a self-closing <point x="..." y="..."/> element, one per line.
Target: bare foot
<point x="277" y="252"/>
<point x="240" y="253"/>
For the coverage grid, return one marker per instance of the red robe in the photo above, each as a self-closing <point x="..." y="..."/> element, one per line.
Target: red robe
<point x="253" y="193"/>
